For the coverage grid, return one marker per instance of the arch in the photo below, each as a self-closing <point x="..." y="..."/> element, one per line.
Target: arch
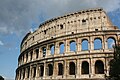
<point x="60" y="69"/>
<point x="72" y="68"/>
<point x="50" y="69"/>
<point x="62" y="47"/>
<point x="110" y="42"/>
<point x="97" y="44"/>
<point x="84" y="44"/>
<point x="52" y="49"/>
<point x="34" y="72"/>
<point x="37" y="52"/>
<point x="41" y="70"/>
<point x="85" y="67"/>
<point x="99" y="67"/>
<point x="72" y="45"/>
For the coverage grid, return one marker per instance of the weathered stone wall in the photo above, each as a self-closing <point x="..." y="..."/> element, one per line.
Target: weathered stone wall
<point x="37" y="61"/>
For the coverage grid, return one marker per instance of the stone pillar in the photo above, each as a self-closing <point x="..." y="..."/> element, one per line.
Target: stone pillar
<point x="55" y="70"/>
<point x="45" y="67"/>
<point x="91" y="44"/>
<point x="65" y="69"/>
<point x="37" y="71"/>
<point x="92" y="68"/>
<point x="103" y="43"/>
<point x="48" y="51"/>
<point x="67" y="47"/>
<point x="77" y="68"/>
<point x="56" y="48"/>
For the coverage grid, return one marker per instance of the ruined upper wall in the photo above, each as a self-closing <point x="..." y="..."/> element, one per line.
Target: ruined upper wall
<point x="78" y="22"/>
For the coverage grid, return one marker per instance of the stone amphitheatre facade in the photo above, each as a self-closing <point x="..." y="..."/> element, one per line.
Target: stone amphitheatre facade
<point x="73" y="46"/>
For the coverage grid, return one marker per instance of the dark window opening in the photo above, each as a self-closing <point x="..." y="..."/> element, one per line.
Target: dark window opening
<point x="41" y="70"/>
<point x="72" y="68"/>
<point x="83" y="22"/>
<point x="99" y="67"/>
<point x="50" y="69"/>
<point x="34" y="72"/>
<point x="96" y="29"/>
<point x="44" y="51"/>
<point x="44" y="31"/>
<point x="85" y="67"/>
<point x="60" y="69"/>
<point x="37" y="53"/>
<point x="61" y="26"/>
<point x="28" y="72"/>
<point x="72" y="32"/>
<point x="23" y="73"/>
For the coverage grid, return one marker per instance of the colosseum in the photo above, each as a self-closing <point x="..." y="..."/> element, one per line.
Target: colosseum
<point x="74" y="46"/>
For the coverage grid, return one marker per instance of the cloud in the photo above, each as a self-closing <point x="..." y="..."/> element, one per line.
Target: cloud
<point x="17" y="16"/>
<point x="1" y="43"/>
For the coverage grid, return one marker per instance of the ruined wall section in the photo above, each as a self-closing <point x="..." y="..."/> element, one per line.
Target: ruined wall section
<point x="79" y="22"/>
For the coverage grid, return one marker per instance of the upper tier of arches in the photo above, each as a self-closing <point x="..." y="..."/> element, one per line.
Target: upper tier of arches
<point x="78" y="22"/>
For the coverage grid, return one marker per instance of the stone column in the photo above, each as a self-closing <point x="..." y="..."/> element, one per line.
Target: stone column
<point x="92" y="68"/>
<point x="48" y="51"/>
<point x="67" y="47"/>
<point x="37" y="71"/>
<point x="77" y="68"/>
<point x="65" y="69"/>
<point x="91" y="44"/>
<point x="55" y="70"/>
<point x="44" y="75"/>
<point x="56" y="48"/>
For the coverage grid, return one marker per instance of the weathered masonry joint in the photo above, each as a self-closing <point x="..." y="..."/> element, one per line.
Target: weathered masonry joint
<point x="73" y="46"/>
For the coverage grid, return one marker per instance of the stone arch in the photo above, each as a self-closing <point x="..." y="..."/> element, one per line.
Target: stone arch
<point x="41" y="70"/>
<point x="60" y="69"/>
<point x="50" y="69"/>
<point x="97" y="43"/>
<point x="111" y="42"/>
<point x="71" y="68"/>
<point x="99" y="67"/>
<point x="85" y="67"/>
<point x="72" y="45"/>
<point x="52" y="49"/>
<point x="62" y="47"/>
<point x="84" y="44"/>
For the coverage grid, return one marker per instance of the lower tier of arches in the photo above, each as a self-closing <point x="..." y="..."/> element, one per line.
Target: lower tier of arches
<point x="71" y="67"/>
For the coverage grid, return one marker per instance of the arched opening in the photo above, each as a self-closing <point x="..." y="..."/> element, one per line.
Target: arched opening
<point x="50" y="69"/>
<point x="41" y="70"/>
<point x="37" y="53"/>
<point x="60" y="69"/>
<point x="52" y="49"/>
<point x="110" y="43"/>
<point x="97" y="44"/>
<point x="72" y="46"/>
<point x="72" y="68"/>
<point x="44" y="51"/>
<point x="85" y="67"/>
<point x="99" y="67"/>
<point x="28" y="72"/>
<point x="85" y="44"/>
<point x="62" y="48"/>
<point x="34" y="72"/>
